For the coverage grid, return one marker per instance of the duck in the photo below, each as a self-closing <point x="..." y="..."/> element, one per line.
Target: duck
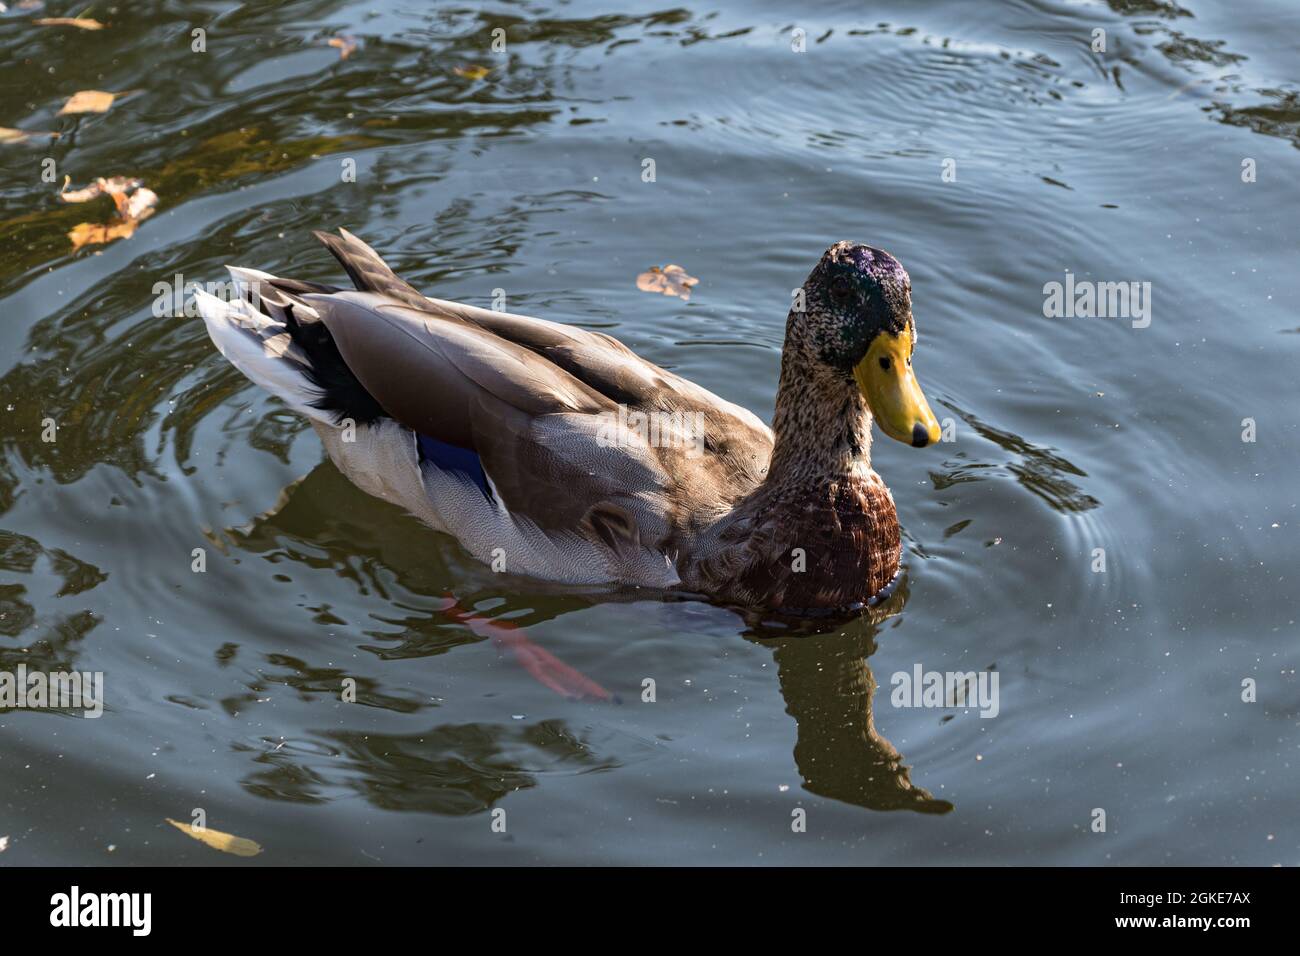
<point x="556" y="452"/>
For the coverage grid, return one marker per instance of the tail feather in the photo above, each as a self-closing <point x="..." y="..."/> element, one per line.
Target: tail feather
<point x="263" y="349"/>
<point x="367" y="270"/>
<point x="277" y="339"/>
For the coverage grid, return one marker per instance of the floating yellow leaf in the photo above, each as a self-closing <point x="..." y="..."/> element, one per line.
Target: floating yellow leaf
<point x="88" y="101"/>
<point x="8" y="135"/>
<point x="81" y="23"/>
<point x="345" y="45"/>
<point x="670" y="280"/>
<point x="472" y="72"/>
<point x="225" y="842"/>
<point x="99" y="234"/>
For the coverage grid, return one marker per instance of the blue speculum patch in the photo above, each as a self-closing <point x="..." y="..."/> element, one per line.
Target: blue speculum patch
<point x="454" y="458"/>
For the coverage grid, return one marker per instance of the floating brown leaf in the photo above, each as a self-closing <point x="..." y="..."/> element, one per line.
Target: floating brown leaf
<point x="472" y="72"/>
<point x="81" y="23"/>
<point x="345" y="45"/>
<point x="132" y="201"/>
<point x="670" y="280"/>
<point x="100" y="187"/>
<point x="225" y="842"/>
<point x="88" y="101"/>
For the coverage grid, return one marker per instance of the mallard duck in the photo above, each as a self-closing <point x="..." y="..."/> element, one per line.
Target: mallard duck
<point x="557" y="452"/>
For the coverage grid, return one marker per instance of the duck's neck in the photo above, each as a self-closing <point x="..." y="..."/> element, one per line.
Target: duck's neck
<point x="822" y="424"/>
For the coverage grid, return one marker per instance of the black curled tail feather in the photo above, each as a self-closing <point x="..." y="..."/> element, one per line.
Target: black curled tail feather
<point x="341" y="392"/>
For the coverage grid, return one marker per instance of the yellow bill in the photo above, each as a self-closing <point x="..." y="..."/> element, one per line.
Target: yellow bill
<point x="892" y="391"/>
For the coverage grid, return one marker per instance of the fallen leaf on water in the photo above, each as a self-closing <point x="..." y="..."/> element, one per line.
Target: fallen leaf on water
<point x="88" y="101"/>
<point x="99" y="234"/>
<point x="472" y="72"/>
<point x="8" y="135"/>
<point x="225" y="842"/>
<point x="111" y="186"/>
<point x="345" y="45"/>
<point x="81" y="23"/>
<point x="4" y="843"/>
<point x="670" y="280"/>
<point x="133" y="204"/>
<point x="138" y="206"/>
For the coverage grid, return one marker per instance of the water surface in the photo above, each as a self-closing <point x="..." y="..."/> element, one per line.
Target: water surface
<point x="1119" y="690"/>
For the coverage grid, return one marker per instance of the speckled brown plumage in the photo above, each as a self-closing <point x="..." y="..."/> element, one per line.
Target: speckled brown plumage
<point x="826" y="544"/>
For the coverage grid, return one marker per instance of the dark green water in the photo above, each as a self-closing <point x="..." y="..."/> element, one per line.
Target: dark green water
<point x="1119" y="690"/>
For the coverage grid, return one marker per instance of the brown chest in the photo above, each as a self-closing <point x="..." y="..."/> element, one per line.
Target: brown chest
<point x="828" y="545"/>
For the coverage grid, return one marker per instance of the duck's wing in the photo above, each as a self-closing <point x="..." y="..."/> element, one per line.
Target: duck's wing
<point x="545" y="407"/>
<point x="594" y="358"/>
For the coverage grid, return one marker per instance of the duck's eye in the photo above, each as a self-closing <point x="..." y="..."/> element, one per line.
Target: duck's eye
<point x="841" y="289"/>
<point x="884" y="363"/>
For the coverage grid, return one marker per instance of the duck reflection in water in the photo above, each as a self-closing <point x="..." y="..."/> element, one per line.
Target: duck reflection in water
<point x="830" y="691"/>
<point x="822" y="664"/>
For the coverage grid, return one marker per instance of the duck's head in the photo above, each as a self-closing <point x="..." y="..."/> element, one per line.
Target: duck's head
<point x="857" y="323"/>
